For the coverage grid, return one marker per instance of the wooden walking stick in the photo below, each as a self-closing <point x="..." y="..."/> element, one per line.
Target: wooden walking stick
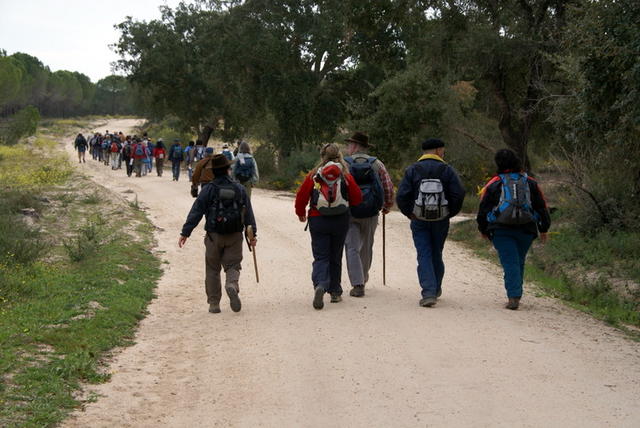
<point x="384" y="249"/>
<point x="250" y="237"/>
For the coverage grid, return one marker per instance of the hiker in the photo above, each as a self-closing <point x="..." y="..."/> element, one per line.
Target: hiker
<point x="160" y="153"/>
<point x="227" y="153"/>
<point x="228" y="213"/>
<point x="150" y="147"/>
<point x="430" y="194"/>
<point x="512" y="212"/>
<point x="175" y="156"/>
<point x="139" y="154"/>
<point x="114" y="153"/>
<point x="329" y="190"/>
<point x="80" y="144"/>
<point x="127" y="155"/>
<point x="106" y="145"/>
<point x="189" y="155"/>
<point x="97" y="147"/>
<point x="203" y="172"/>
<point x="245" y="168"/>
<point x="377" y="195"/>
<point x="199" y="151"/>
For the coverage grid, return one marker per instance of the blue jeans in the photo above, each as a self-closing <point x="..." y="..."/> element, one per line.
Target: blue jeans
<point x="175" y="168"/>
<point x="512" y="246"/>
<point x="327" y="244"/>
<point x="429" y="237"/>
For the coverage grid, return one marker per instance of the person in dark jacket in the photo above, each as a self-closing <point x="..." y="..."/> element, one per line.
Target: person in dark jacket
<point x="80" y="144"/>
<point x="223" y="245"/>
<point x="175" y="156"/>
<point x="512" y="241"/>
<point x="429" y="236"/>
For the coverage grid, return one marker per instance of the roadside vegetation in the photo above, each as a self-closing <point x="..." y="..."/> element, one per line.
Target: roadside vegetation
<point x="73" y="281"/>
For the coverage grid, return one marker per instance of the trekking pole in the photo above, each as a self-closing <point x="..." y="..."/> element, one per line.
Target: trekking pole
<point x="250" y="237"/>
<point x="384" y="249"/>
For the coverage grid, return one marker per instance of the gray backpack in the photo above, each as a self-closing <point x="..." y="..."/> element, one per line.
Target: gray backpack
<point x="431" y="203"/>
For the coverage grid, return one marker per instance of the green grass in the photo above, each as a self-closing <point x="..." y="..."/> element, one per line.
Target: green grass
<point x="596" y="297"/>
<point x="62" y="311"/>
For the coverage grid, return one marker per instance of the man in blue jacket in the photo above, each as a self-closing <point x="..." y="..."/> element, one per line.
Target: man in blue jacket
<point x="430" y="194"/>
<point x="228" y="213"/>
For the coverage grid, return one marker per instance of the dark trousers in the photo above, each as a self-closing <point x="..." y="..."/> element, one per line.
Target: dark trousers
<point x="512" y="246"/>
<point x="175" y="168"/>
<point x="327" y="244"/>
<point x="428" y="238"/>
<point x="129" y="165"/>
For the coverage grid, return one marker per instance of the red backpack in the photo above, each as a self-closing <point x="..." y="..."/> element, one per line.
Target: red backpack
<point x="330" y="195"/>
<point x="114" y="147"/>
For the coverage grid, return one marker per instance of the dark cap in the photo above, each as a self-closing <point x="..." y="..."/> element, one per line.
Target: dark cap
<point x="432" y="143"/>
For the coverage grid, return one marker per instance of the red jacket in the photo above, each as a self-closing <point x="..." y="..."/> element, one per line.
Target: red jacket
<point x="303" y="196"/>
<point x="145" y="151"/>
<point x="158" y="151"/>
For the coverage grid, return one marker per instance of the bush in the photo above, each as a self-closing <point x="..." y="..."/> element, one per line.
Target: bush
<point x="87" y="240"/>
<point x="285" y="173"/>
<point x="19" y="243"/>
<point x="22" y="124"/>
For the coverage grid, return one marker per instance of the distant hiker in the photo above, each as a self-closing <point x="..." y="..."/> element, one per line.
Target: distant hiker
<point x="160" y="153"/>
<point x="227" y="153"/>
<point x="189" y="157"/>
<point x="175" y="156"/>
<point x="80" y="144"/>
<point x="199" y="151"/>
<point x="377" y="195"/>
<point x="92" y="146"/>
<point x="228" y="213"/>
<point x="106" y="145"/>
<point x="329" y="190"/>
<point x="127" y="155"/>
<point x="430" y="194"/>
<point x="114" y="153"/>
<point x="245" y="168"/>
<point x="139" y="154"/>
<point x="151" y="147"/>
<point x="203" y="172"/>
<point x="512" y="212"/>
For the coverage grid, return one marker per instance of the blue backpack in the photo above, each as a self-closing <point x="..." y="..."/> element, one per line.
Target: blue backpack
<point x="370" y="185"/>
<point x="514" y="207"/>
<point x="244" y="171"/>
<point x="177" y="153"/>
<point x="139" y="150"/>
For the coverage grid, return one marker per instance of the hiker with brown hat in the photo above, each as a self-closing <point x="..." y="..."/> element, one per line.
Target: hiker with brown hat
<point x="203" y="172"/>
<point x="377" y="195"/>
<point x="228" y="214"/>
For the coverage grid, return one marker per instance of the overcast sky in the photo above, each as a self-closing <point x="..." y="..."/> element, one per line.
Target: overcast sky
<point x="70" y="35"/>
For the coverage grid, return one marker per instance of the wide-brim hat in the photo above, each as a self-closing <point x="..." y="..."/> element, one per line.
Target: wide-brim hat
<point x="360" y="139"/>
<point x="219" y="161"/>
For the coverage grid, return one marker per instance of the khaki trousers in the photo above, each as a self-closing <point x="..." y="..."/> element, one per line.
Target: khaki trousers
<point x="222" y="252"/>
<point x="359" y="248"/>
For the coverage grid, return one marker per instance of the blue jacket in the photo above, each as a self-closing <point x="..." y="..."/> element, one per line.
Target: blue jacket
<point x="428" y="168"/>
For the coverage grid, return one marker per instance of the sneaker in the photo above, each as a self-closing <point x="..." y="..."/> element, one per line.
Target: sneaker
<point x="427" y="302"/>
<point x="318" y="303"/>
<point x="513" y="303"/>
<point x="214" y="308"/>
<point x="234" y="300"/>
<point x="336" y="298"/>
<point x="357" y="291"/>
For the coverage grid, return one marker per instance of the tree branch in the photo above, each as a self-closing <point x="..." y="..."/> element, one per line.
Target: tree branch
<point x="473" y="138"/>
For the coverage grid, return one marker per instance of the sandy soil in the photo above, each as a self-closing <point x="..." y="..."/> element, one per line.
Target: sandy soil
<point x="377" y="361"/>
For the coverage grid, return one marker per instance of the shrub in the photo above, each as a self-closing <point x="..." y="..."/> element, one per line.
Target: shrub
<point x="22" y="124"/>
<point x="87" y="240"/>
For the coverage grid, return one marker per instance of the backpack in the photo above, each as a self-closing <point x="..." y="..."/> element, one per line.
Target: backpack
<point x="227" y="154"/>
<point x="199" y="152"/>
<point x="114" y="147"/>
<point x="177" y="153"/>
<point x="126" y="152"/>
<point x="330" y="196"/>
<point x="105" y="145"/>
<point x="226" y="213"/>
<point x="139" y="150"/>
<point x="370" y="185"/>
<point x="514" y="206"/>
<point x="244" y="169"/>
<point x="431" y="203"/>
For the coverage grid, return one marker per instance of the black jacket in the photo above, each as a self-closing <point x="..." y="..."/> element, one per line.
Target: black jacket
<point x="410" y="186"/>
<point x="205" y="200"/>
<point x="490" y="199"/>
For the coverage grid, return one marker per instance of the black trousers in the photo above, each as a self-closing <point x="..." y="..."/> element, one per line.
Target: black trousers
<point x="328" y="234"/>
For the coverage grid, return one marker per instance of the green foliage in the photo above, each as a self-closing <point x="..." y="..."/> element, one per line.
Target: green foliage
<point x="285" y="173"/>
<point x="86" y="241"/>
<point x="22" y="124"/>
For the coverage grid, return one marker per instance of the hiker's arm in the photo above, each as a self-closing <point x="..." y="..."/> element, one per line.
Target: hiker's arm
<point x="198" y="209"/>
<point x="249" y="218"/>
<point x="539" y="205"/>
<point x="387" y="187"/>
<point x="405" y="196"/>
<point x="455" y="192"/>
<point x="302" y="197"/>
<point x="488" y="201"/>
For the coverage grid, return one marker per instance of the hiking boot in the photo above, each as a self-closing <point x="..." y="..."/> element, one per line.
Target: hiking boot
<point x="513" y="303"/>
<point x="234" y="300"/>
<point x="438" y="293"/>
<point x="427" y="302"/>
<point x="336" y="298"/>
<point x="318" y="303"/>
<point x="357" y="291"/>
<point x="214" y="308"/>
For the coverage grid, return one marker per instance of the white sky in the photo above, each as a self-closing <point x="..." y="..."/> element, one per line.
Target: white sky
<point x="71" y="35"/>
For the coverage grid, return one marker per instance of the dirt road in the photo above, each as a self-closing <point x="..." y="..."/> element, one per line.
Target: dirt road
<point x="379" y="361"/>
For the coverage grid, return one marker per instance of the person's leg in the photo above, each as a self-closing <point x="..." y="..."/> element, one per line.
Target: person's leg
<point x="506" y="246"/>
<point x="368" y="231"/>
<point x="177" y="170"/>
<point x="353" y="245"/>
<point x="320" y="247"/>
<point x="248" y="187"/>
<point x="231" y="263"/>
<point x="137" y="163"/>
<point x="212" y="264"/>
<point x="439" y="231"/>
<point x="426" y="273"/>
<point x="339" y="228"/>
<point x="524" y="241"/>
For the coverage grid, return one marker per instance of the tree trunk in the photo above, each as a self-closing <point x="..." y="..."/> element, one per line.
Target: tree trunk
<point x="204" y="133"/>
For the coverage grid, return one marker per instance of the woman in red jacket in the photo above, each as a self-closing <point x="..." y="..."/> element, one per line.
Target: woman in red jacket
<point x="160" y="153"/>
<point x="329" y="190"/>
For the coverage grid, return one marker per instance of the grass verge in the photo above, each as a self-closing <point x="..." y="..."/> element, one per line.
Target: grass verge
<point x="73" y="285"/>
<point x="596" y="297"/>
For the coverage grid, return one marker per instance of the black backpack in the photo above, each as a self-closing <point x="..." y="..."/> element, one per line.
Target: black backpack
<point x="368" y="181"/>
<point x="226" y="213"/>
<point x="244" y="170"/>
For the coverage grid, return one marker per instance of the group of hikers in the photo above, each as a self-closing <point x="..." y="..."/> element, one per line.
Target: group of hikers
<point x="341" y="200"/>
<point x="138" y="155"/>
